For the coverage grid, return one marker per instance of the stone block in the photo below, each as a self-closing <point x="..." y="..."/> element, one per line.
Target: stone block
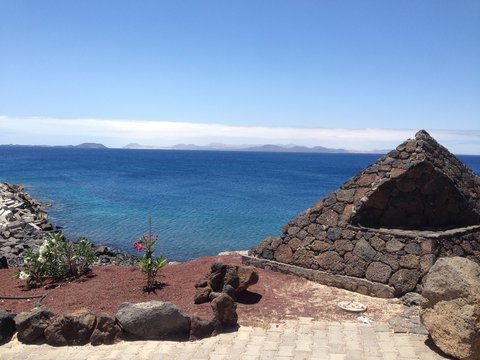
<point x="331" y="261"/>
<point x="452" y="311"/>
<point x="394" y="246"/>
<point x="328" y="218"/>
<point x="410" y="261"/>
<point x="378" y="272"/>
<point x="345" y="195"/>
<point x="364" y="250"/>
<point x="404" y="280"/>
<point x="284" y="254"/>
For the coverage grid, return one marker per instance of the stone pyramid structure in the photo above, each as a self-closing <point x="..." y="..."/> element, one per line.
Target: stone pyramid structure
<point x="383" y="229"/>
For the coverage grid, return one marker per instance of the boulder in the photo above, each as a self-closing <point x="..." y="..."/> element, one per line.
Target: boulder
<point x="153" y="320"/>
<point x="451" y="313"/>
<point x="224" y="278"/>
<point x="7" y="326"/>
<point x="106" y="331"/>
<point x="225" y="311"/>
<point x="31" y="325"/>
<point x="71" y="328"/>
<point x="202" y="328"/>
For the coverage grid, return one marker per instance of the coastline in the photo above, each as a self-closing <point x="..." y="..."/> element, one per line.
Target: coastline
<point x="24" y="224"/>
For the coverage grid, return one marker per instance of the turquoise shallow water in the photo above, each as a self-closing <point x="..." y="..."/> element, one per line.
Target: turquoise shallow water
<point x="201" y="202"/>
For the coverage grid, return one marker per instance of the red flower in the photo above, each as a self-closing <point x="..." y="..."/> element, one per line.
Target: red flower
<point x="138" y="246"/>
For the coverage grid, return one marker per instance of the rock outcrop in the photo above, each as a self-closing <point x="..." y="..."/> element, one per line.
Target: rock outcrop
<point x="224" y="278"/>
<point x="451" y="313"/>
<point x="382" y="230"/>
<point x="23" y="223"/>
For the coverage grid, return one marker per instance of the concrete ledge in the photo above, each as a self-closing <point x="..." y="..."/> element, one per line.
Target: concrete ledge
<point x="429" y="234"/>
<point x="359" y="285"/>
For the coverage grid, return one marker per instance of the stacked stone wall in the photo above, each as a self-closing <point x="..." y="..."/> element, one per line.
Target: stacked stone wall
<point x="399" y="260"/>
<point x="389" y="223"/>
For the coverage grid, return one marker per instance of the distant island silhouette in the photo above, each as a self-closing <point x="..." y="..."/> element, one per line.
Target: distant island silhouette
<point x="253" y="148"/>
<point x="86" y="145"/>
<point x="291" y="148"/>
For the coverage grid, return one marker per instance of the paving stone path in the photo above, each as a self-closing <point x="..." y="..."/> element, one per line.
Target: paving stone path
<point x="292" y="340"/>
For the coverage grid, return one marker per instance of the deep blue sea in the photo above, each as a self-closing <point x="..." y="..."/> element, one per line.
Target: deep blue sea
<point x="201" y="202"/>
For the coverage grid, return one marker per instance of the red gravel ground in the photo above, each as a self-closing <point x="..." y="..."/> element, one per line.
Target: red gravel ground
<point x="274" y="298"/>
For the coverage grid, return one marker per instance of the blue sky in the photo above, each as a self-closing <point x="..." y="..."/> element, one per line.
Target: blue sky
<point x="270" y="67"/>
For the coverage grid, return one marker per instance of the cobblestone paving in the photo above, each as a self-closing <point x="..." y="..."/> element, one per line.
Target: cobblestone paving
<point x="292" y="340"/>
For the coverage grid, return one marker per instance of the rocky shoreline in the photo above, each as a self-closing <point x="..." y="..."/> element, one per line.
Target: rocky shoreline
<point x="24" y="223"/>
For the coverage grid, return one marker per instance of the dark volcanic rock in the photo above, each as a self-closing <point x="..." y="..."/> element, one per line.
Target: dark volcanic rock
<point x="153" y="320"/>
<point x="225" y="311"/>
<point x="106" y="331"/>
<point x="201" y="328"/>
<point x="3" y="262"/>
<point x="7" y="326"/>
<point x="378" y="272"/>
<point x="71" y="328"/>
<point x="404" y="280"/>
<point x="31" y="325"/>
<point x="223" y="278"/>
<point x="202" y="295"/>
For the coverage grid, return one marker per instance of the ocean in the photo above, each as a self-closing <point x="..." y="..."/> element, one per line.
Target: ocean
<point x="201" y="202"/>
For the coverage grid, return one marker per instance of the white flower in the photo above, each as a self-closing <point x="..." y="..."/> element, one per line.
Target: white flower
<point x="43" y="249"/>
<point x="41" y="259"/>
<point x="23" y="275"/>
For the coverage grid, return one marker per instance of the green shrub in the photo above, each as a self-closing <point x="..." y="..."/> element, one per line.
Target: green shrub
<point x="57" y="259"/>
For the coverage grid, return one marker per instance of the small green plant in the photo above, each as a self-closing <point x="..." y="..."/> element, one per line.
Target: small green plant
<point x="149" y="263"/>
<point x="57" y="259"/>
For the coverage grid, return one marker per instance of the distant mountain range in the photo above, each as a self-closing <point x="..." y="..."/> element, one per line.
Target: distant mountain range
<point x="82" y="146"/>
<point x="291" y="148"/>
<point x="257" y="148"/>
